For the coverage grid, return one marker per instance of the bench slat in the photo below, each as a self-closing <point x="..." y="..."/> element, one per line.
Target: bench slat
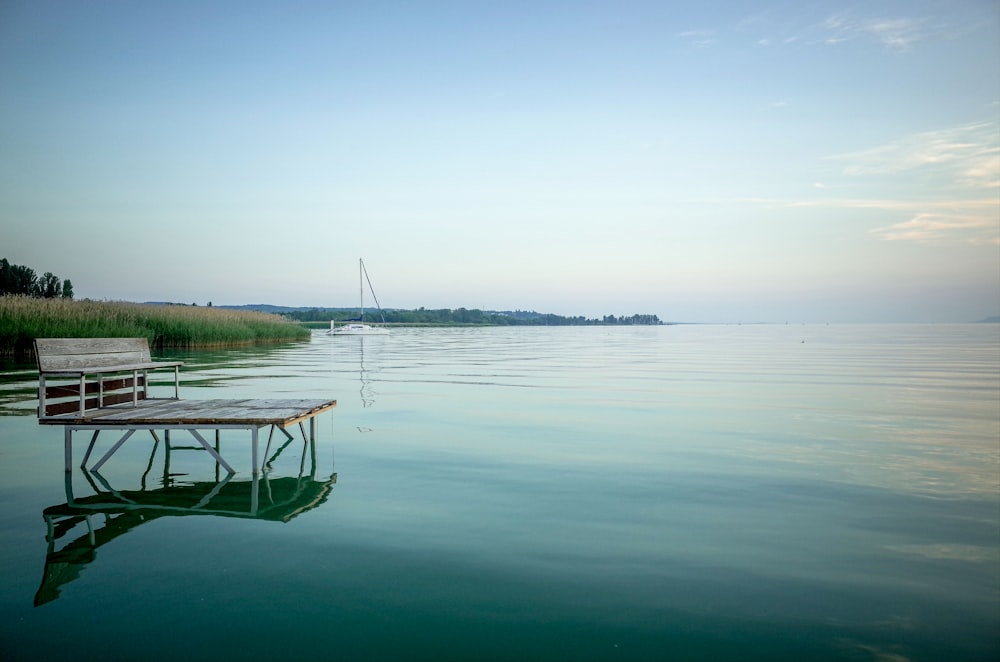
<point x="55" y="354"/>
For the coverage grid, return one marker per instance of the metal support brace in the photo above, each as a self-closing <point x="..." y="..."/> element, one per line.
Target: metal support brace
<point x="208" y="447"/>
<point x="267" y="449"/>
<point x="113" y="450"/>
<point x="90" y="448"/>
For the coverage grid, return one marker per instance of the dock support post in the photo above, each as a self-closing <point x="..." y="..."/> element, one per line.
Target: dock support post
<point x="68" y="447"/>
<point x="254" y="432"/>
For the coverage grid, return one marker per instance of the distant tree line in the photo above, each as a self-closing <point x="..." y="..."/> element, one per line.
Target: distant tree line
<point x="465" y="316"/>
<point x="15" y="279"/>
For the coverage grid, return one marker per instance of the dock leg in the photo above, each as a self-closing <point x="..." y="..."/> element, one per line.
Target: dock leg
<point x="68" y="485"/>
<point x="68" y="447"/>
<point x="256" y="441"/>
<point x="254" y="489"/>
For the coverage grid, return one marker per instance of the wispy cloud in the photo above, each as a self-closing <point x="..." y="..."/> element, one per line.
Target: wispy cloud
<point x="963" y="160"/>
<point x="983" y="172"/>
<point x="967" y="156"/>
<point x="896" y="34"/>
<point x="893" y="33"/>
<point x="943" y="207"/>
<point x="935" y="228"/>
<point x="699" y="38"/>
<point x="942" y="221"/>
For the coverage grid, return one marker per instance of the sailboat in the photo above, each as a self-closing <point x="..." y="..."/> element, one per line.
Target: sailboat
<point x="357" y="327"/>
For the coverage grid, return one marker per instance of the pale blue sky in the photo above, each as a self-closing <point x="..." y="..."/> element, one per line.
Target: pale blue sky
<point x="703" y="161"/>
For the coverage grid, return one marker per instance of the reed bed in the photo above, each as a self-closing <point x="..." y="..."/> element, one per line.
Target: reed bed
<point x="23" y="319"/>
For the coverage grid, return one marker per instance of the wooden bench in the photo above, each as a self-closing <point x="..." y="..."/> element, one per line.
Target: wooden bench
<point x="116" y="367"/>
<point x="110" y="391"/>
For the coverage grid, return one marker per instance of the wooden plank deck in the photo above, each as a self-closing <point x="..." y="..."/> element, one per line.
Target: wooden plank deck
<point x="190" y="415"/>
<point x="197" y="413"/>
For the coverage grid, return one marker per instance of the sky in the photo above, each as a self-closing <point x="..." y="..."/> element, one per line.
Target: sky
<point x="702" y="161"/>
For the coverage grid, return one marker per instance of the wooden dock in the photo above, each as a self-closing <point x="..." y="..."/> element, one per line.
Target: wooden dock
<point x="110" y="391"/>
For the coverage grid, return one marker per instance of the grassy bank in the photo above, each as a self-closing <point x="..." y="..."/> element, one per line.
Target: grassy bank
<point x="23" y="318"/>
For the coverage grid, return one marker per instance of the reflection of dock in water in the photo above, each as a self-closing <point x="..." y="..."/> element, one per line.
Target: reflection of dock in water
<point x="110" y="513"/>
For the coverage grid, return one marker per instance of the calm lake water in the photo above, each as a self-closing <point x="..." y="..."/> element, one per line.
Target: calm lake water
<point x="647" y="493"/>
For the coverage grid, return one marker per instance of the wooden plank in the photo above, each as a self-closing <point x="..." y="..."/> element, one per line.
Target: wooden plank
<point x="55" y="354"/>
<point x="57" y="346"/>
<point x="201" y="413"/>
<point x="75" y="355"/>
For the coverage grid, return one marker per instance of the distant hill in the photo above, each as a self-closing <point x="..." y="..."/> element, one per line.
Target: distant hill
<point x="260" y="307"/>
<point x="280" y="310"/>
<point x="991" y="320"/>
<point x="447" y="316"/>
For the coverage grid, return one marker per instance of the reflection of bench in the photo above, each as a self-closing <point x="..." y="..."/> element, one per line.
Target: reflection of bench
<point x="109" y="390"/>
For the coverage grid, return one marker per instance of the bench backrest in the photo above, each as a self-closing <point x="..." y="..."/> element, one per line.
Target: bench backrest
<point x="59" y="354"/>
<point x="96" y="365"/>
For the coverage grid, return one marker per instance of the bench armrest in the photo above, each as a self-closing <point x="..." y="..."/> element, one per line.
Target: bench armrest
<point x="83" y="371"/>
<point x="94" y="370"/>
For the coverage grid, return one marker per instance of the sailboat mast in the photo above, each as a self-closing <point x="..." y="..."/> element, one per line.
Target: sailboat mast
<point x="361" y="287"/>
<point x="372" y="290"/>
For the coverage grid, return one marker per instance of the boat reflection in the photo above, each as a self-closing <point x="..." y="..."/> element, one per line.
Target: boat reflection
<point x="346" y="352"/>
<point x="110" y="513"/>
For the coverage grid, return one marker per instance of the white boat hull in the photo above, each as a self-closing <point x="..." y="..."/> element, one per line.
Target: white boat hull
<point x="356" y="330"/>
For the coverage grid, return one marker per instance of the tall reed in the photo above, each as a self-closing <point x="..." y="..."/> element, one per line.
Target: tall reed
<point x="24" y="318"/>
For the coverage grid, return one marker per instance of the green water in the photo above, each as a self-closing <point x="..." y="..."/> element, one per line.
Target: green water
<point x="649" y="493"/>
